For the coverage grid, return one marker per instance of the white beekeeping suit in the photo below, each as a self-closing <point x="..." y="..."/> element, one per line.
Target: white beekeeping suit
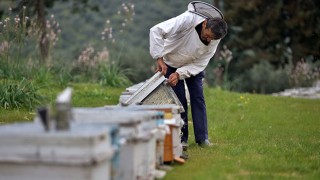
<point x="177" y="41"/>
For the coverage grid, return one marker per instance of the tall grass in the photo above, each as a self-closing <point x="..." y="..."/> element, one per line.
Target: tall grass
<point x="114" y="75"/>
<point x="17" y="95"/>
<point x="19" y="34"/>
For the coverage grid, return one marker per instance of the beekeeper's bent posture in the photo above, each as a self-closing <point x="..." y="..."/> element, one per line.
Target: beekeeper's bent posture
<point x="183" y="47"/>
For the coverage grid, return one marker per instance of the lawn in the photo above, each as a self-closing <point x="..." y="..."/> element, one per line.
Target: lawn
<point x="255" y="136"/>
<point x="84" y="95"/>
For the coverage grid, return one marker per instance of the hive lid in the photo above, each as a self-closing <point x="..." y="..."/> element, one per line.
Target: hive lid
<point x="154" y="92"/>
<point x="175" y="109"/>
<point x="30" y="143"/>
<point x="120" y="116"/>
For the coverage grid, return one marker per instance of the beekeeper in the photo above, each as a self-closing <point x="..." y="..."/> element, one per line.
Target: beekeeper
<point x="183" y="47"/>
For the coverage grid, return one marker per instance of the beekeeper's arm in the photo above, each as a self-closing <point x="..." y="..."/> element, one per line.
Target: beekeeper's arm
<point x="161" y="31"/>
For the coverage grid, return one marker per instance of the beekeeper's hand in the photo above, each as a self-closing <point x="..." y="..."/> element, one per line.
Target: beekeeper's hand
<point x="173" y="79"/>
<point x="161" y="66"/>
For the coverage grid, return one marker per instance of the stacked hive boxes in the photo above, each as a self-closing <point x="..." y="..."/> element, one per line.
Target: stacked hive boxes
<point x="151" y="95"/>
<point x="137" y="136"/>
<point x="169" y="145"/>
<point x="158" y="133"/>
<point x="27" y="151"/>
<point x="172" y="119"/>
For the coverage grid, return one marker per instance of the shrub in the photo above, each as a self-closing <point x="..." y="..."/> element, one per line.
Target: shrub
<point x="86" y="68"/>
<point x="262" y="78"/>
<point x="63" y="78"/>
<point x="114" y="75"/>
<point x="43" y="76"/>
<point x="16" y="95"/>
<point x="304" y="74"/>
<point x="142" y="63"/>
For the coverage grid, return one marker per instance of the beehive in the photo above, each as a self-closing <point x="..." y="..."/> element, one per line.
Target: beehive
<point x="137" y="133"/>
<point x="155" y="92"/>
<point x="171" y="147"/>
<point x="172" y="118"/>
<point x="27" y="151"/>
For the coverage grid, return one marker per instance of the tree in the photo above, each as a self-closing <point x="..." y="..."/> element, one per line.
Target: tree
<point x="38" y="8"/>
<point x="276" y="31"/>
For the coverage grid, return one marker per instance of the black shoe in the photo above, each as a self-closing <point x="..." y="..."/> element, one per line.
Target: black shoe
<point x="184" y="146"/>
<point x="184" y="155"/>
<point x="205" y="143"/>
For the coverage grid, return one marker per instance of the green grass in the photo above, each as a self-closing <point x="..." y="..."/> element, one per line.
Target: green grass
<point x="84" y="95"/>
<point x="255" y="136"/>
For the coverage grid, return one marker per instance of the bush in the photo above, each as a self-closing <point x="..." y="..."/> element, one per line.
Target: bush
<point x="304" y="74"/>
<point x="16" y="95"/>
<point x="43" y="76"/>
<point x="141" y="62"/>
<point x="262" y="78"/>
<point x="114" y="75"/>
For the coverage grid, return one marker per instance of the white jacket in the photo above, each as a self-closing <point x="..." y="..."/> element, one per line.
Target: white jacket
<point x="177" y="41"/>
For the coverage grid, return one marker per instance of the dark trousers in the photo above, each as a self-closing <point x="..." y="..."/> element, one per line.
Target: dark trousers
<point x="197" y="102"/>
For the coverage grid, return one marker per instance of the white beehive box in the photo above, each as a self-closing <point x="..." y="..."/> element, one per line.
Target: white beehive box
<point x="171" y="118"/>
<point x="160" y="131"/>
<point x="155" y="92"/>
<point x="138" y="152"/>
<point x="28" y="152"/>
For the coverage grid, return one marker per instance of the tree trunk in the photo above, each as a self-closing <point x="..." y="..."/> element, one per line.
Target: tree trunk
<point x="41" y="20"/>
